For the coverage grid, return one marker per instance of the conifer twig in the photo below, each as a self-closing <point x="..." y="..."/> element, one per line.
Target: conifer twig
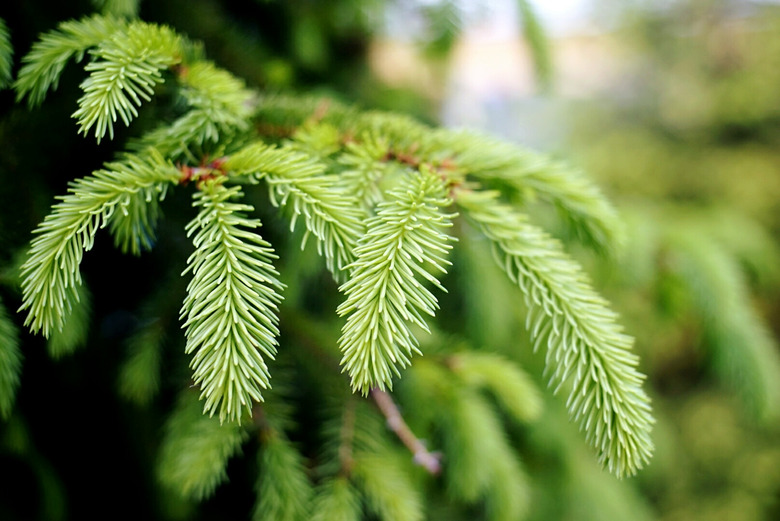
<point x="430" y="461"/>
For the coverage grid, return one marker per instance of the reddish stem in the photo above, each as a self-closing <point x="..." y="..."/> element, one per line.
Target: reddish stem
<point x="430" y="461"/>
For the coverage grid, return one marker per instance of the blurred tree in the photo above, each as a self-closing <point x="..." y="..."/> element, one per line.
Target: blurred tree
<point x="689" y="149"/>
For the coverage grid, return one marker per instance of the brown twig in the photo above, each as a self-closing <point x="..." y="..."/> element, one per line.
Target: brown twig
<point x="430" y="461"/>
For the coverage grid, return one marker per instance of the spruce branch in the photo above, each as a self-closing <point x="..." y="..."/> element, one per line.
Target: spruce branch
<point x="195" y="450"/>
<point x="386" y="487"/>
<point x="231" y="304"/>
<point x="295" y="182"/>
<point x="219" y="105"/>
<point x="364" y="166"/>
<point x="6" y="55"/>
<point x="430" y="461"/>
<point x="512" y="387"/>
<point x="479" y="461"/>
<point x="123" y="73"/>
<point x="43" y="65"/>
<point x="587" y="213"/>
<point x="50" y="276"/>
<point x="586" y="349"/>
<point x="743" y="351"/>
<point x="284" y="492"/>
<point x="405" y="241"/>
<point x="335" y="498"/>
<point x="10" y="363"/>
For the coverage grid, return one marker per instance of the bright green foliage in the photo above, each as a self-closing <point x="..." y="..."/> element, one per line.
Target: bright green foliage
<point x="375" y="192"/>
<point x="10" y="363"/>
<point x="231" y="303"/>
<point x="364" y="168"/>
<point x="586" y="349"/>
<point x="123" y="72"/>
<point x="405" y="240"/>
<point x="528" y="175"/>
<point x="75" y="328"/>
<point x="295" y="182"/>
<point x="127" y="63"/>
<point x="284" y="491"/>
<point x="195" y="449"/>
<point x="219" y="106"/>
<point x="6" y="55"/>
<point x="336" y="499"/>
<point x="51" y="274"/>
<point x="43" y="65"/>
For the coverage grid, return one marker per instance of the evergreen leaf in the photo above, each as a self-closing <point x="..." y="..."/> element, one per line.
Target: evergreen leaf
<point x="586" y="349"/>
<point x="296" y="183"/>
<point x="231" y="303"/>
<point x="336" y="499"/>
<point x="10" y="363"/>
<point x="283" y="492"/>
<point x="43" y="65"/>
<point x="405" y="241"/>
<point x="6" y="55"/>
<point x="50" y="276"/>
<point x="195" y="450"/>
<point x="123" y="74"/>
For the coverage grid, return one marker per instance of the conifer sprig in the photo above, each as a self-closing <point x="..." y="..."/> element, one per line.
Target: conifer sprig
<point x="195" y="450"/>
<point x="284" y="491"/>
<point x="296" y="182"/>
<point x="220" y="104"/>
<point x="386" y="294"/>
<point x="586" y="349"/>
<point x="51" y="274"/>
<point x="44" y="64"/>
<point x="587" y="213"/>
<point x="743" y="351"/>
<point x="336" y="498"/>
<point x="123" y="73"/>
<point x="231" y="304"/>
<point x="364" y="167"/>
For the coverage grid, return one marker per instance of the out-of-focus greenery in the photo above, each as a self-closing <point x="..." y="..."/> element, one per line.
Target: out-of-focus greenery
<point x="689" y="146"/>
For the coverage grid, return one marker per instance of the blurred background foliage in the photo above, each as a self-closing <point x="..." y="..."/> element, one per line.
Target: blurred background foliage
<point x="673" y="107"/>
